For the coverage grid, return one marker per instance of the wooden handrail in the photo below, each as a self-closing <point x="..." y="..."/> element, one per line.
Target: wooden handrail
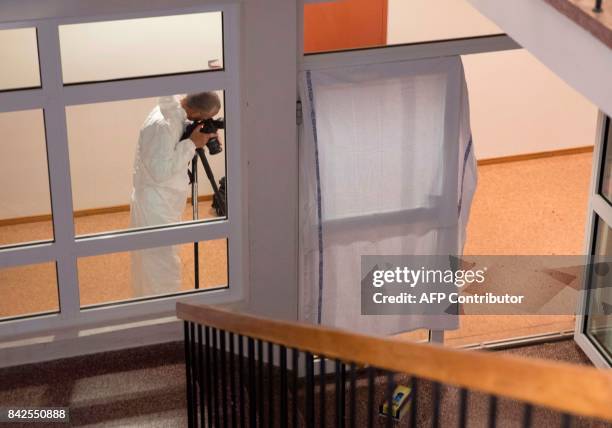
<point x="580" y="390"/>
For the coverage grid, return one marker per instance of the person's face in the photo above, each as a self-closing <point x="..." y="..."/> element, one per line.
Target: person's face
<point x="199" y="115"/>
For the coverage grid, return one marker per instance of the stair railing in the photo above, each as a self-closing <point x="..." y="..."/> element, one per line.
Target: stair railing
<point x="244" y="370"/>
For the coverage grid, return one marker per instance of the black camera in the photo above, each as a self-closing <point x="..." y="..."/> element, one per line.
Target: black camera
<point x="210" y="126"/>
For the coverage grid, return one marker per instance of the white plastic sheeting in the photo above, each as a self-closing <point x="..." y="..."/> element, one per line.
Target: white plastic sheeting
<point x="386" y="168"/>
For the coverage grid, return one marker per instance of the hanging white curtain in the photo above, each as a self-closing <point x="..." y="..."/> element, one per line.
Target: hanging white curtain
<point x="386" y="168"/>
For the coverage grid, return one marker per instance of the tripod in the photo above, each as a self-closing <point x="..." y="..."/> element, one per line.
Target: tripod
<point x="218" y="198"/>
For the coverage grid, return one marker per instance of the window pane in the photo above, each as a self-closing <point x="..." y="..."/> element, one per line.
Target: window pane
<point x="115" y="173"/>
<point x="19" y="59"/>
<point x="141" y="47"/>
<point x="352" y="24"/>
<point x="599" y="317"/>
<point x="606" y="167"/>
<point x="518" y="107"/>
<point x="28" y="290"/>
<point x="25" y="210"/>
<point x="152" y="272"/>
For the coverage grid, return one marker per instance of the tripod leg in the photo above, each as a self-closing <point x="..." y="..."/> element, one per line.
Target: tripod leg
<point x="194" y="206"/>
<point x="211" y="178"/>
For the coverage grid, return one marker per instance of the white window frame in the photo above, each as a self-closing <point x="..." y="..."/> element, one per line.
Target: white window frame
<point x="53" y="98"/>
<point x="599" y="207"/>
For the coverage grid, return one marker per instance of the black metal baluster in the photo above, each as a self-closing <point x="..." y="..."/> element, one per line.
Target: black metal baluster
<point x="436" y="405"/>
<point x="343" y="394"/>
<point x="463" y="400"/>
<point x="390" y="389"/>
<point x="260" y="382"/>
<point x="353" y="395"/>
<point x="252" y="386"/>
<point x="271" y="399"/>
<point x="225" y="413"/>
<point x="241" y="379"/>
<point x="284" y="420"/>
<point x="492" y="411"/>
<point x="215" y="365"/>
<point x="566" y="420"/>
<point x="598" y="8"/>
<point x="527" y="416"/>
<point x="209" y="377"/>
<point x="322" y="385"/>
<point x="190" y="415"/>
<point x="194" y="372"/>
<point x="415" y="400"/>
<point x="309" y="363"/>
<point x="201" y="385"/>
<point x="371" y="379"/>
<point x="339" y="394"/>
<point x="232" y="380"/>
<point x="294" y="388"/>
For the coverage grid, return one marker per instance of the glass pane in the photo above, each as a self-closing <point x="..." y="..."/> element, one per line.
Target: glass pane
<point x="599" y="317"/>
<point x="19" y="56"/>
<point x="152" y="272"/>
<point x="525" y="208"/>
<point x="28" y="290"/>
<point x="129" y="175"/>
<point x="141" y="47"/>
<point x="352" y="24"/>
<point x="25" y="210"/>
<point x="606" y="167"/>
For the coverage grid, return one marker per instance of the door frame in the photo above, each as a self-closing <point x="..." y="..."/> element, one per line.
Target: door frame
<point x="598" y="207"/>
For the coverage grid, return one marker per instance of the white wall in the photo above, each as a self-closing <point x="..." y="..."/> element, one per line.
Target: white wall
<point x="412" y="21"/>
<point x="19" y="59"/>
<point x="24" y="179"/>
<point x="517" y="105"/>
<point x="575" y="55"/>
<point x="271" y="142"/>
<point x="140" y="47"/>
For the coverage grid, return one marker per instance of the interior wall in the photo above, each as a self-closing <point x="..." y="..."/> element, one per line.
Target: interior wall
<point x="517" y="105"/>
<point x="24" y="177"/>
<point x="271" y="146"/>
<point x="141" y="47"/>
<point x="23" y="71"/>
<point x="344" y="24"/>
<point x="424" y="20"/>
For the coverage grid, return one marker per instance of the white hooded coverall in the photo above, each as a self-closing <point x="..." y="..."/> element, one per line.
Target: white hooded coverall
<point x="159" y="195"/>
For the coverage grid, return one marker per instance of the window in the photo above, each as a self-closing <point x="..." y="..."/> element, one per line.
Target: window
<point x="605" y="186"/>
<point x="141" y="47"/>
<point x="103" y="141"/>
<point x="19" y="58"/>
<point x="599" y="316"/>
<point x="25" y="211"/>
<point x="116" y="277"/>
<point x="69" y="149"/>
<point x="28" y="290"/>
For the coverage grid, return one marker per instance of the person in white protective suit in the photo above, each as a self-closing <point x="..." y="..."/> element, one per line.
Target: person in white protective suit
<point x="161" y="184"/>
